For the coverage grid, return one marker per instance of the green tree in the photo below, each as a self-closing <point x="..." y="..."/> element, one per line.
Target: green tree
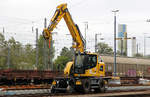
<point x="29" y="57"/>
<point x="66" y="55"/>
<point x="138" y="55"/>
<point x="23" y="57"/>
<point x="20" y="57"/>
<point x="148" y="56"/>
<point x="14" y="49"/>
<point x="2" y="41"/>
<point x="61" y="62"/>
<point x="3" y="55"/>
<point x="49" y="53"/>
<point x="104" y="49"/>
<point x="67" y="52"/>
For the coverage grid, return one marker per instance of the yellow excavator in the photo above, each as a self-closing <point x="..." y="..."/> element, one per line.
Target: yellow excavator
<point x="86" y="71"/>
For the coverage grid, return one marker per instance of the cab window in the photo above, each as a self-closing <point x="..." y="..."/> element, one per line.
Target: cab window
<point x="90" y="61"/>
<point x="101" y="68"/>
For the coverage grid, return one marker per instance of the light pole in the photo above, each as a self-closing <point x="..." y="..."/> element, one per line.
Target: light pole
<point x="37" y="55"/>
<point x="115" y="11"/>
<point x="8" y="57"/>
<point x="96" y="41"/>
<point x="145" y="44"/>
<point x="72" y="40"/>
<point x="86" y="28"/>
<point x="148" y="20"/>
<point x="96" y="44"/>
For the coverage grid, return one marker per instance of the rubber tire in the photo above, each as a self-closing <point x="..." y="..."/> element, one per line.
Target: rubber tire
<point x="102" y="87"/>
<point x="86" y="86"/>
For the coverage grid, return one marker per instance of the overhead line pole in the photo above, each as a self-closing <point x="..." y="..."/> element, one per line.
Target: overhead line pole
<point x="36" y="47"/>
<point x="144" y="45"/>
<point x="86" y="27"/>
<point x="148" y="20"/>
<point x="8" y="53"/>
<point x="3" y="31"/>
<point x="96" y="45"/>
<point x="8" y="57"/>
<point x="45" y="61"/>
<point x="115" y="11"/>
<point x="50" y="65"/>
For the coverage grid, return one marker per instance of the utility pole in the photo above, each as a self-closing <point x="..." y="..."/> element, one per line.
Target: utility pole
<point x="96" y="42"/>
<point x="121" y="39"/>
<point x="122" y="47"/>
<point x="50" y="65"/>
<point x="115" y="11"/>
<point x="144" y="45"/>
<point x="45" y="61"/>
<point x="8" y="57"/>
<point x="3" y="30"/>
<point x="137" y="51"/>
<point x="8" y="54"/>
<point x="36" y="47"/>
<point x="33" y="27"/>
<point x="148" y="20"/>
<point x="86" y="28"/>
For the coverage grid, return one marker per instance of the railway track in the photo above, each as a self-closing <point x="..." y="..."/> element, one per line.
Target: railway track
<point x="143" y="93"/>
<point x="116" y="91"/>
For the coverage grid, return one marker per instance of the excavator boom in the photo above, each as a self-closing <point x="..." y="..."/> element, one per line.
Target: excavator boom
<point x="62" y="12"/>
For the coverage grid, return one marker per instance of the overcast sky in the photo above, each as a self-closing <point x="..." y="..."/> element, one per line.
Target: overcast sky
<point x="18" y="17"/>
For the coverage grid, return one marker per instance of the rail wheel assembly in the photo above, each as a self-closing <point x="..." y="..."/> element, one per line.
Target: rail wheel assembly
<point x="59" y="85"/>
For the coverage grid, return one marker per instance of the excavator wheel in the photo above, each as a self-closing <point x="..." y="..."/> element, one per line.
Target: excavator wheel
<point x="86" y="86"/>
<point x="101" y="88"/>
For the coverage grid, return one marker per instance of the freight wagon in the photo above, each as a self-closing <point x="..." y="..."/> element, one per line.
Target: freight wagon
<point x="24" y="77"/>
<point x="128" y="66"/>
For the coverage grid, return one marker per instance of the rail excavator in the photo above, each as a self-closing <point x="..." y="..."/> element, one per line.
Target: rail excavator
<point x="86" y="72"/>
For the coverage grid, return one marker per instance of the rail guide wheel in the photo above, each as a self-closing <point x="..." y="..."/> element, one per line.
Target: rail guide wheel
<point x="70" y="89"/>
<point x="52" y="89"/>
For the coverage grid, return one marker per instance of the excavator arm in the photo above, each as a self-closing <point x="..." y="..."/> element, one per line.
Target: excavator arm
<point x="62" y="12"/>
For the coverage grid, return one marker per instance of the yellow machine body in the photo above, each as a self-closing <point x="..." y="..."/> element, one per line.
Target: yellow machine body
<point x="85" y="72"/>
<point x="62" y="12"/>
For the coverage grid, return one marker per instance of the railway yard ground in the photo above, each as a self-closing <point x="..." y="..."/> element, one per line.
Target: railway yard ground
<point x="118" y="91"/>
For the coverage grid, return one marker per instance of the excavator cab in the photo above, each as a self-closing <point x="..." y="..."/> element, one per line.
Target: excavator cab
<point x="84" y="61"/>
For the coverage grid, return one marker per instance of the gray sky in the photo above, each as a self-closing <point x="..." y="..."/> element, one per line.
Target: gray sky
<point x="18" y="17"/>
